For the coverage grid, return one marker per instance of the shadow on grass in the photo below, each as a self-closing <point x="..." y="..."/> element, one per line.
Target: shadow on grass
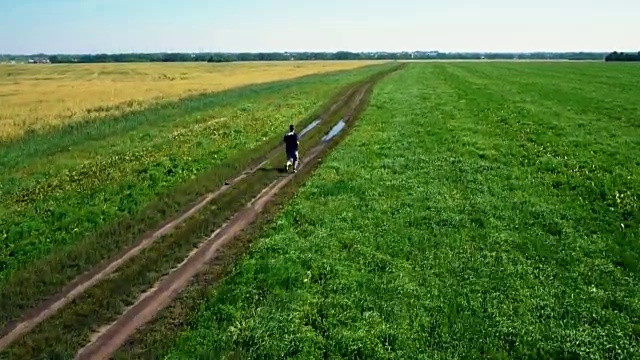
<point x="279" y="170"/>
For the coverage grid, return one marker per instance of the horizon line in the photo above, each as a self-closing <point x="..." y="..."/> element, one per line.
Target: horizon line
<point x="327" y="52"/>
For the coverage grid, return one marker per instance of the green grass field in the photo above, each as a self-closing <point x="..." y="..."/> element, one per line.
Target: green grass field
<point x="75" y="195"/>
<point x="477" y="210"/>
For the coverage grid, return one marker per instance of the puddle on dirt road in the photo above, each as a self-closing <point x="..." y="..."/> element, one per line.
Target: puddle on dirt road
<point x="309" y="127"/>
<point x="335" y="131"/>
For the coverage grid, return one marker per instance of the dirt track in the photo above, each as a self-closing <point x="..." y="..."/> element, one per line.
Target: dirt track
<point x="111" y="337"/>
<point x="71" y="291"/>
<point x="85" y="281"/>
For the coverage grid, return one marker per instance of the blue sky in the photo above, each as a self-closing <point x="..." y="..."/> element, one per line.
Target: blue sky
<point x="91" y="26"/>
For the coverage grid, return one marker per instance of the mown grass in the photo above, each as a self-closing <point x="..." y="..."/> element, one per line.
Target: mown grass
<point x="39" y="97"/>
<point x="477" y="210"/>
<point x="92" y="189"/>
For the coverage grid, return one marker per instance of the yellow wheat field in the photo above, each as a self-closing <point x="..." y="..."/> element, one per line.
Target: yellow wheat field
<point x="39" y="96"/>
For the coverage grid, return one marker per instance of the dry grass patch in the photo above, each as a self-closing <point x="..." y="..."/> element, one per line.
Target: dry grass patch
<point x="36" y="97"/>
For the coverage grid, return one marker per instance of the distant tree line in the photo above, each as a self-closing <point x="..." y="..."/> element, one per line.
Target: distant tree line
<point x="621" y="56"/>
<point x="220" y="57"/>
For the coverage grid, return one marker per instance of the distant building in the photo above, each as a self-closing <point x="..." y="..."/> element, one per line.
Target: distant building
<point x="39" y="61"/>
<point x="423" y="54"/>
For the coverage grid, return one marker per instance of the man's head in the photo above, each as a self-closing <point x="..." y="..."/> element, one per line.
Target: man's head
<point x="291" y="128"/>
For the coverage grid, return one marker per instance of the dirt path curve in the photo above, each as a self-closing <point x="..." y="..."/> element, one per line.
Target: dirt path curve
<point x="110" y="338"/>
<point x="12" y="331"/>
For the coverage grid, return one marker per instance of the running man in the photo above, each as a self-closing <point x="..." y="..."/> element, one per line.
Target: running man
<point x="292" y="142"/>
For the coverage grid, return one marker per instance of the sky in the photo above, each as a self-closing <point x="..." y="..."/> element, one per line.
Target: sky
<point x="120" y="26"/>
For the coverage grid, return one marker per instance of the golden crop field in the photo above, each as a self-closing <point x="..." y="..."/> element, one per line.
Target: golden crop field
<point x="40" y="96"/>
